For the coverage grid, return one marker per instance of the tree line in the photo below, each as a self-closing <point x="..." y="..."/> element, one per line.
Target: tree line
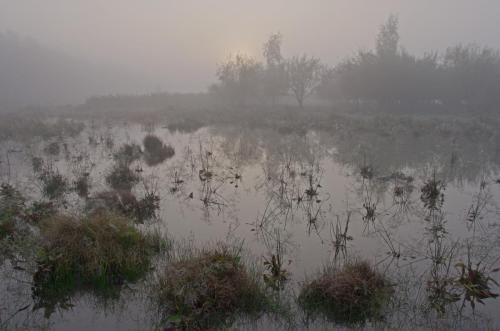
<point x="388" y="76"/>
<point x="244" y="80"/>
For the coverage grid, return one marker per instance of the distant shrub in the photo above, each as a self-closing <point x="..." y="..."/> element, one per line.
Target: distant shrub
<point x="185" y="125"/>
<point x="155" y="151"/>
<point x="26" y="127"/>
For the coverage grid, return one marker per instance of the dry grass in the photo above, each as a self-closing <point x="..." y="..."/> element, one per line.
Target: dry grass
<point x="208" y="289"/>
<point x="351" y="295"/>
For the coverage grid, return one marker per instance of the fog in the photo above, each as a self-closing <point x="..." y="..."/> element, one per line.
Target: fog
<point x="249" y="165"/>
<point x="176" y="45"/>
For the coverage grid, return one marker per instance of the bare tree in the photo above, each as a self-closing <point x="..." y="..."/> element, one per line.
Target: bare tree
<point x="304" y="76"/>
<point x="388" y="37"/>
<point x="272" y="49"/>
<point x="275" y="78"/>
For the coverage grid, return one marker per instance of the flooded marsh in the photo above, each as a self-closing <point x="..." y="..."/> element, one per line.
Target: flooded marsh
<point x="364" y="224"/>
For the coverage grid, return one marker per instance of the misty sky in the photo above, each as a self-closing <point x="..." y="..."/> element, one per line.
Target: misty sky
<point x="177" y="44"/>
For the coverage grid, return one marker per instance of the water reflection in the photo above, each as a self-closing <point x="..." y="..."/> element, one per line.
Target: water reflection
<point x="417" y="200"/>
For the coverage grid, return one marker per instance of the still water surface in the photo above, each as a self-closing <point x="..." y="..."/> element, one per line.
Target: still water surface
<point x="325" y="196"/>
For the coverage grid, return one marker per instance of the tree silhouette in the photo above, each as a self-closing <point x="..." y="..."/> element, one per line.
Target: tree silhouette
<point x="304" y="76"/>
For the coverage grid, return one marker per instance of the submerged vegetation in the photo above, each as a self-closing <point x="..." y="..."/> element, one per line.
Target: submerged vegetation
<point x="353" y="294"/>
<point x="126" y="203"/>
<point x="127" y="154"/>
<point x="121" y="177"/>
<point x="432" y="193"/>
<point x="155" y="151"/>
<point x="90" y="237"/>
<point x="54" y="185"/>
<point x="82" y="185"/>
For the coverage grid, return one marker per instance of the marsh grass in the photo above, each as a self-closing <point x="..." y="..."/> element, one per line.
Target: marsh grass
<point x="350" y="295"/>
<point x="28" y="126"/>
<point x="82" y="185"/>
<point x="119" y="201"/>
<point x="127" y="154"/>
<point x="53" y="149"/>
<point x="126" y="204"/>
<point x="209" y="289"/>
<point x="155" y="151"/>
<point x="54" y="185"/>
<point x="37" y="164"/>
<point x="17" y="242"/>
<point x="367" y="172"/>
<point x="99" y="252"/>
<point x="432" y="193"/>
<point x="121" y="177"/>
<point x="12" y="204"/>
<point x="185" y="125"/>
<point x="476" y="283"/>
<point x="39" y="210"/>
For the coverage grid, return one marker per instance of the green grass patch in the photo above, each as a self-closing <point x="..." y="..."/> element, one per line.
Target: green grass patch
<point x="99" y="252"/>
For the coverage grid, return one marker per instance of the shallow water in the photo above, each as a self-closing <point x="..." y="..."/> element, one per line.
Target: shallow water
<point x="300" y="190"/>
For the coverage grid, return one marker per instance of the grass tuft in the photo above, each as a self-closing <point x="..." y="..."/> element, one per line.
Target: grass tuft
<point x="351" y="295"/>
<point x="155" y="151"/>
<point x="54" y="185"/>
<point x="127" y="154"/>
<point x="121" y="177"/>
<point x="209" y="289"/>
<point x="99" y="252"/>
